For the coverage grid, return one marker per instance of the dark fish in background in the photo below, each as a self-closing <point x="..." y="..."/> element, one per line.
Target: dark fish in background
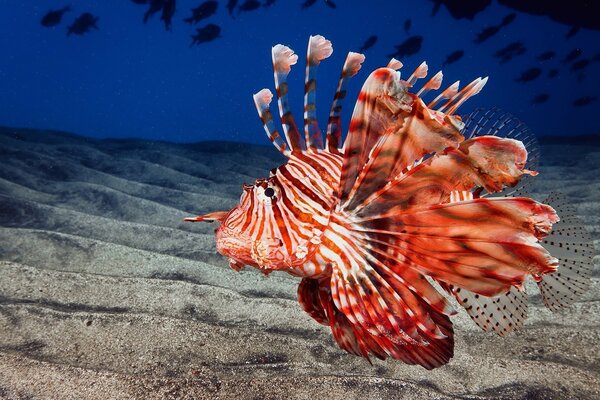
<point x="580" y="65"/>
<point x="508" y="19"/>
<point x="154" y="7"/>
<point x="453" y="57"/>
<point x="330" y="4"/>
<point x="268" y="3"/>
<point x="553" y="73"/>
<point x="53" y="17"/>
<point x="582" y="13"/>
<point x="249" y="5"/>
<point x="573" y="54"/>
<point x="545" y="56"/>
<point x="167" y="13"/>
<point x="204" y="10"/>
<point x="540" y="98"/>
<point x="572" y="32"/>
<point x="206" y="34"/>
<point x="584" y="101"/>
<point x="407" y="25"/>
<point x="461" y="8"/>
<point x="486" y="33"/>
<point x="140" y="1"/>
<point x="83" y="24"/>
<point x="510" y="51"/>
<point x="231" y="4"/>
<point x="308" y="3"/>
<point x="370" y="42"/>
<point x="529" y="75"/>
<point x="410" y="46"/>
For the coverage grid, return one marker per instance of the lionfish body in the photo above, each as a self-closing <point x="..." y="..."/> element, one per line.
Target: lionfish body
<point x="376" y="227"/>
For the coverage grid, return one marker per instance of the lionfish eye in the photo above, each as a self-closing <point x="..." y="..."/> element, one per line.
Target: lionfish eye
<point x="269" y="192"/>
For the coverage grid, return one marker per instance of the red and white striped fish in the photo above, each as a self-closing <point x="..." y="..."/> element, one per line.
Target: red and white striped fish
<point x="377" y="226"/>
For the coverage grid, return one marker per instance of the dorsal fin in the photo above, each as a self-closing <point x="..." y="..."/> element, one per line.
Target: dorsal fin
<point x="449" y="92"/>
<point x="319" y="48"/>
<point x="419" y="73"/>
<point x="433" y="84"/>
<point x="283" y="59"/>
<point x="262" y="100"/>
<point x="351" y="67"/>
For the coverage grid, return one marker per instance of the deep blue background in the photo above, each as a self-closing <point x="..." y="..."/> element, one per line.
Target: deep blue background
<point x="128" y="79"/>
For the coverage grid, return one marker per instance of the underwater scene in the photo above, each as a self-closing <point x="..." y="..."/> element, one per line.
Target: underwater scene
<point x="292" y="199"/>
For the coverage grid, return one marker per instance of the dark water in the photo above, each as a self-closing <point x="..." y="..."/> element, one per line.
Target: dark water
<point x="130" y="79"/>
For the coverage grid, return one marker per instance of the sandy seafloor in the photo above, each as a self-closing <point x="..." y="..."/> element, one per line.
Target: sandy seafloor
<point x="106" y="294"/>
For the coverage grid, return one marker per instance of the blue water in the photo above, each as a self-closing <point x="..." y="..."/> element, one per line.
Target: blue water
<point x="129" y="79"/>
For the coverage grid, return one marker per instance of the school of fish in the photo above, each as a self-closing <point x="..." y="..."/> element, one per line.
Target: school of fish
<point x="412" y="207"/>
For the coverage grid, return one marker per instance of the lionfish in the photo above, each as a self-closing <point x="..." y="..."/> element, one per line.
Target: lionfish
<point x="382" y="227"/>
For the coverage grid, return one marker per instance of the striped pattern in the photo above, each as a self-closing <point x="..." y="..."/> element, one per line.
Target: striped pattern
<point x="369" y="231"/>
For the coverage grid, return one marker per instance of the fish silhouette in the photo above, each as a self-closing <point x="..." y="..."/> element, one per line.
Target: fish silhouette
<point x="584" y="101"/>
<point x="540" y="98"/>
<point x="249" y="5"/>
<point x="168" y="11"/>
<point x="83" y="24"/>
<point x="572" y="55"/>
<point x="370" y="42"/>
<point x="580" y="65"/>
<point x="572" y="32"/>
<point x="308" y="3"/>
<point x="231" y="5"/>
<point x="461" y="8"/>
<point x="206" y="34"/>
<point x="203" y="11"/>
<point x="154" y="6"/>
<point x="453" y="57"/>
<point x="268" y="3"/>
<point x="410" y="46"/>
<point x="529" y="75"/>
<point x="407" y="25"/>
<point x="510" y="51"/>
<point x="53" y="17"/>
<point x="487" y="33"/>
<point x="545" y="56"/>
<point x="330" y="4"/>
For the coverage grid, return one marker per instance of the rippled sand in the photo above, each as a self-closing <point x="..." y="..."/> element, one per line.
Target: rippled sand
<point x="105" y="293"/>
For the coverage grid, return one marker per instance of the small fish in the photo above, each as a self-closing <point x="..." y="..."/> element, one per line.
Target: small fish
<point x="249" y="5"/>
<point x="540" y="98"/>
<point x="410" y="46"/>
<point x="268" y="3"/>
<point x="369" y="224"/>
<point x="53" y="17"/>
<point x="580" y="65"/>
<point x="206" y="34"/>
<point x="407" y="25"/>
<point x="584" y="101"/>
<point x="529" y="75"/>
<point x="453" y="57"/>
<point x="153" y="7"/>
<point x="330" y="4"/>
<point x="203" y="11"/>
<point x="231" y="5"/>
<point x="553" y="73"/>
<point x="572" y="55"/>
<point x="508" y="19"/>
<point x="308" y="3"/>
<point x="370" y="42"/>
<point x="140" y="1"/>
<point x="572" y="32"/>
<point x="545" y="56"/>
<point x="461" y="9"/>
<point x="83" y="24"/>
<point x="486" y="33"/>
<point x="510" y="51"/>
<point x="167" y="13"/>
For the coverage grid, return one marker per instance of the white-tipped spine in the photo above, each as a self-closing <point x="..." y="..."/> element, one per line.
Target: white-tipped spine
<point x="433" y="84"/>
<point x="420" y="72"/>
<point x="395" y="64"/>
<point x="319" y="49"/>
<point x="353" y="63"/>
<point x="283" y="58"/>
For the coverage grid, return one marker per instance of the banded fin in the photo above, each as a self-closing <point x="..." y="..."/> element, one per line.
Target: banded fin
<point x="262" y="100"/>
<point x="389" y="130"/>
<point x="572" y="244"/>
<point x="319" y="49"/>
<point x="502" y="314"/>
<point x="495" y="122"/>
<point x="433" y="84"/>
<point x="394" y="64"/>
<point x="449" y="92"/>
<point x="458" y="99"/>
<point x="419" y="73"/>
<point x="351" y="67"/>
<point x="283" y="59"/>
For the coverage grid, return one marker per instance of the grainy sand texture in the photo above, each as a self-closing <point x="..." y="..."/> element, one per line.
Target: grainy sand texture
<point x="106" y="294"/>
